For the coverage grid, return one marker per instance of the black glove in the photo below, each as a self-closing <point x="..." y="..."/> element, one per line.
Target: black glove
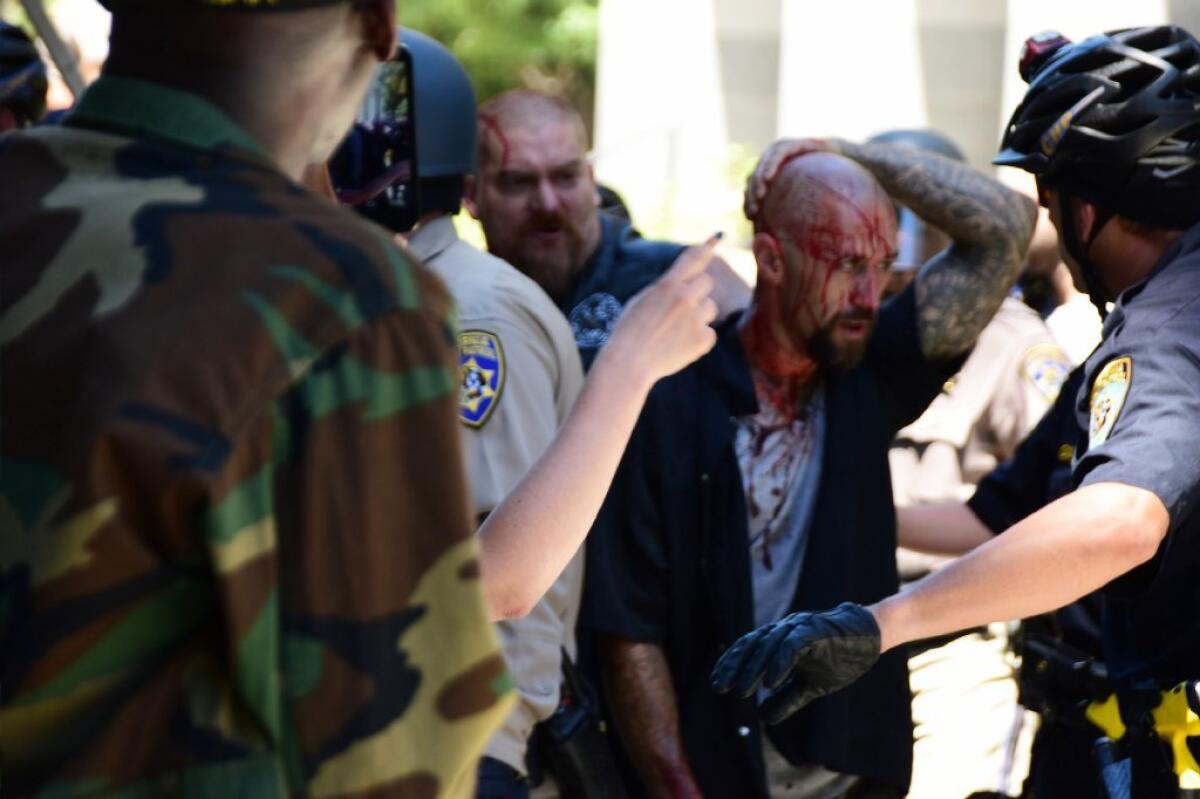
<point x="820" y="652"/>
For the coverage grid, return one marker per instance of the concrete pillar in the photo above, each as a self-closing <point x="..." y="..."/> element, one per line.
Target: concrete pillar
<point x="660" y="134"/>
<point x="849" y="68"/>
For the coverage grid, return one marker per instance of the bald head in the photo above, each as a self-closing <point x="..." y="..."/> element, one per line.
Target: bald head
<point x="814" y="181"/>
<point x="523" y="110"/>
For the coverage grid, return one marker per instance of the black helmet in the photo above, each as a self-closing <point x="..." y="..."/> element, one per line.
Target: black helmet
<point x="22" y="76"/>
<point x="445" y="108"/>
<point x="1114" y="119"/>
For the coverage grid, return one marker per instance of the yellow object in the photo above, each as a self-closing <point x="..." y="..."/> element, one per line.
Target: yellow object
<point x="1107" y="716"/>
<point x="1175" y="721"/>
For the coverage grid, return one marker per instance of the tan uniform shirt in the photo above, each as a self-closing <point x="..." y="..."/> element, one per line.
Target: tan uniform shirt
<point x="519" y="376"/>
<point x="1004" y="388"/>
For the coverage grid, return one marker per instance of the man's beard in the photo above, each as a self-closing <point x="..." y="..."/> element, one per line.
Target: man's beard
<point x="841" y="356"/>
<point x="555" y="268"/>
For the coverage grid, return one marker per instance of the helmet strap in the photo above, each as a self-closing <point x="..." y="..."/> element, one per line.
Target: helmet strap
<point x="1079" y="251"/>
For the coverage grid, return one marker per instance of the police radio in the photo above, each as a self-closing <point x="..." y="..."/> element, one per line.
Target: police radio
<point x="375" y="168"/>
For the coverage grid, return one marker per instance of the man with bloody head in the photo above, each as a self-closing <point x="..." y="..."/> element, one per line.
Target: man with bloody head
<point x="537" y="199"/>
<point x="757" y="480"/>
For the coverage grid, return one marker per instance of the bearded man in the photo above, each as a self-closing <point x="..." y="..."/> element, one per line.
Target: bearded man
<point x="757" y="480"/>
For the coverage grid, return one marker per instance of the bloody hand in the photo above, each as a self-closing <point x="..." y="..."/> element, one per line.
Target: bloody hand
<point x="816" y="653"/>
<point x="772" y="160"/>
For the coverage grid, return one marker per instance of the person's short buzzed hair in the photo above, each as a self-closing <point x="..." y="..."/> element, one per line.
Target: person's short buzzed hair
<point x="521" y="108"/>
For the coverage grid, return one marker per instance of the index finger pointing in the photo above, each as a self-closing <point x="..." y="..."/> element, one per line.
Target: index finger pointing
<point x="695" y="259"/>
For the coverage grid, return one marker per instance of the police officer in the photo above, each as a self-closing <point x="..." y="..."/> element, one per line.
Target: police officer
<point x="22" y="80"/>
<point x="518" y="377"/>
<point x="1110" y="128"/>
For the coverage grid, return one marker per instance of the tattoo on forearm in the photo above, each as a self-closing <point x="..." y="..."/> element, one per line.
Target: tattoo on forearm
<point x="990" y="225"/>
<point x="642" y="698"/>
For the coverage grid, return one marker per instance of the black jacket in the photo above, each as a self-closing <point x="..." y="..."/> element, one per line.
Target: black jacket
<point x="668" y="560"/>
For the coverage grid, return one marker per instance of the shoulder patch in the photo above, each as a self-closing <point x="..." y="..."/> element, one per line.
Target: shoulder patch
<point x="481" y="374"/>
<point x="1047" y="367"/>
<point x="1108" y="397"/>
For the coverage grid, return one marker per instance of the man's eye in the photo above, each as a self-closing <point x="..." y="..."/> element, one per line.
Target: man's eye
<point x="566" y="179"/>
<point x="515" y="182"/>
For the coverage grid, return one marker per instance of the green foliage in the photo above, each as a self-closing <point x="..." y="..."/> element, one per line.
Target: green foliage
<point x="548" y="45"/>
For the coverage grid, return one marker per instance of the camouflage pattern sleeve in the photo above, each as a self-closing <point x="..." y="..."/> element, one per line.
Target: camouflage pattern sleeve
<point x="390" y="670"/>
<point x="235" y="539"/>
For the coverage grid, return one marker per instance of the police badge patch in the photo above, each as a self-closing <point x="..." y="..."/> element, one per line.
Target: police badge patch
<point x="1047" y="367"/>
<point x="480" y="376"/>
<point x="1107" y="398"/>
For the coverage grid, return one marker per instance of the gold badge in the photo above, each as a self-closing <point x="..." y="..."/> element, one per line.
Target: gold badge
<point x="480" y="376"/>
<point x="1047" y="367"/>
<point x="1107" y="398"/>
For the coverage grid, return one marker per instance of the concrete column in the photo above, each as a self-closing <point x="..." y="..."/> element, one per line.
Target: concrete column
<point x="849" y="68"/>
<point x="660" y="129"/>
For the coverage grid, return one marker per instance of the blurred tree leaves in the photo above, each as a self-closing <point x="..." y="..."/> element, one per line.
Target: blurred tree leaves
<point x="549" y="45"/>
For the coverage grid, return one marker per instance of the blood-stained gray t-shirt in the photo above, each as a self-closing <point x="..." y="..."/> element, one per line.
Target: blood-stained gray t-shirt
<point x="780" y="461"/>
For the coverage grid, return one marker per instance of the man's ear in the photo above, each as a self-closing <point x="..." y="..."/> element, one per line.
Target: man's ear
<point x="470" y="186"/>
<point x="769" y="257"/>
<point x="1085" y="218"/>
<point x="379" y="27"/>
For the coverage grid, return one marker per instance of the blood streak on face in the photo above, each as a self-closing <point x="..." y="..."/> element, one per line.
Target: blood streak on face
<point x="492" y="128"/>
<point x="836" y="241"/>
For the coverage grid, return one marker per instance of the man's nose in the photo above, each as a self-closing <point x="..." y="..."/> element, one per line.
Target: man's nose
<point x="544" y="196"/>
<point x="867" y="288"/>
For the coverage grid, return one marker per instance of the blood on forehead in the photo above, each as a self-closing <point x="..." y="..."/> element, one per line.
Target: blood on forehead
<point x="830" y="225"/>
<point x="492" y="133"/>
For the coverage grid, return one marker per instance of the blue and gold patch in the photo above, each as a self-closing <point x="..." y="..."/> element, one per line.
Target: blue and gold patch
<point x="1047" y="367"/>
<point x="480" y="376"/>
<point x="1108" y="397"/>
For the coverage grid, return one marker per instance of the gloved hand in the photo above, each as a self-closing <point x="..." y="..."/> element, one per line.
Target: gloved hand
<point x="816" y="653"/>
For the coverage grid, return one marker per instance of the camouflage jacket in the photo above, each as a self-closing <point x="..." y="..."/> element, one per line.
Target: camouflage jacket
<point x="235" y="540"/>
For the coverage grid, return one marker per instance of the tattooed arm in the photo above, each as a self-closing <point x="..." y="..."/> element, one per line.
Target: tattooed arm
<point x="642" y="699"/>
<point x="989" y="224"/>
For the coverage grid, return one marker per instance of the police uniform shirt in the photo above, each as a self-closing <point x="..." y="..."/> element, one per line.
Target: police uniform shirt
<point x="1011" y="378"/>
<point x="519" y="376"/>
<point x="1139" y="408"/>
<point x="623" y="264"/>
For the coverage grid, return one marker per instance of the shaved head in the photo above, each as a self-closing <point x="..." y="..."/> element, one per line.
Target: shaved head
<point x="522" y="109"/>
<point x="806" y="182"/>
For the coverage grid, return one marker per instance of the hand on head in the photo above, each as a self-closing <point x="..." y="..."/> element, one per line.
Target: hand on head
<point x="667" y="326"/>
<point x="772" y="160"/>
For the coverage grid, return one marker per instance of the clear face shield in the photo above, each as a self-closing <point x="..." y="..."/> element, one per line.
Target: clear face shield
<point x="375" y="167"/>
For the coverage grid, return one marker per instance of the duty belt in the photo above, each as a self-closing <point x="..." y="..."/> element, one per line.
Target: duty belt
<point x="1174" y="718"/>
